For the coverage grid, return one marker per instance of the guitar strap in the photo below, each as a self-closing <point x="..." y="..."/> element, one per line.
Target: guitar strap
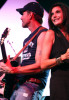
<point x="14" y="58"/>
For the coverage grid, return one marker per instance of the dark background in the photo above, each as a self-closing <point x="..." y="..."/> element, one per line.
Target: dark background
<point x="47" y="3"/>
<point x="2" y="2"/>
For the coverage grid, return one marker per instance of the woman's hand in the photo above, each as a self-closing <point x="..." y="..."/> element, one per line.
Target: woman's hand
<point x="65" y="56"/>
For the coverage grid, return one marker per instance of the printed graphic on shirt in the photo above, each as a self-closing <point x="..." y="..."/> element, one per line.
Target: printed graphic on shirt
<point x="26" y="53"/>
<point x="31" y="44"/>
<point x="26" y="49"/>
<point x="26" y="56"/>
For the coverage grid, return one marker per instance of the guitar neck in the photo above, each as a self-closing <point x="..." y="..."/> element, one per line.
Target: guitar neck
<point x="3" y="53"/>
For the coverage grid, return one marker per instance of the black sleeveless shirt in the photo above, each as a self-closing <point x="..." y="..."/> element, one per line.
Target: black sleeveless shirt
<point x="60" y="46"/>
<point x="29" y="58"/>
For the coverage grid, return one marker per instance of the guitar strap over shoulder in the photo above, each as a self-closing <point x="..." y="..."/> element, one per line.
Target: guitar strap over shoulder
<point x="41" y="28"/>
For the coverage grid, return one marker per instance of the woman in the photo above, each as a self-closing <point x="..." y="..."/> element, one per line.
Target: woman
<point x="55" y="54"/>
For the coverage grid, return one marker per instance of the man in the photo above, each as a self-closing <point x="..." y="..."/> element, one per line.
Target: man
<point x="30" y="80"/>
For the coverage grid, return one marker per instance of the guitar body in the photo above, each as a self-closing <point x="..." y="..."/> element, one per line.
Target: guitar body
<point x="10" y="82"/>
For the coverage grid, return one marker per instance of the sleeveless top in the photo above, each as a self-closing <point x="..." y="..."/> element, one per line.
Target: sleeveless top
<point x="60" y="46"/>
<point x="29" y="58"/>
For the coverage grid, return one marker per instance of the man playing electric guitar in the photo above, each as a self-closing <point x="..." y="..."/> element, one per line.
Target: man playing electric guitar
<point x="30" y="80"/>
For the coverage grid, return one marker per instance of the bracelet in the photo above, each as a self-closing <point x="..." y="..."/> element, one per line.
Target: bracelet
<point x="58" y="60"/>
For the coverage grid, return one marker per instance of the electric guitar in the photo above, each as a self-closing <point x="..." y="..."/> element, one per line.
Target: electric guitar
<point x="2" y="74"/>
<point x="8" y="79"/>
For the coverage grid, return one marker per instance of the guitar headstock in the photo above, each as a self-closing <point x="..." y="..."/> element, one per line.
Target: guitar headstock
<point x="4" y="35"/>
